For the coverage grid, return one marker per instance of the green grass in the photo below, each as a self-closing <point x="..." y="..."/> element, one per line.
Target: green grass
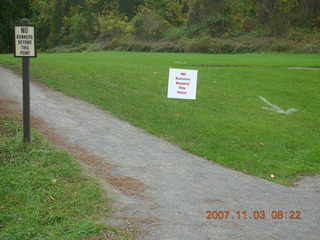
<point x="43" y="194"/>
<point x="226" y="124"/>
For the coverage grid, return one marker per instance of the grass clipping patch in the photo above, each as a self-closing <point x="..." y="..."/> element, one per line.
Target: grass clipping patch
<point x="43" y="194"/>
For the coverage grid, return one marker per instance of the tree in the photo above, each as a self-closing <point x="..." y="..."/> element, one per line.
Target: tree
<point x="11" y="12"/>
<point x="311" y="12"/>
<point x="56" y="22"/>
<point x="208" y="16"/>
<point x="129" y="7"/>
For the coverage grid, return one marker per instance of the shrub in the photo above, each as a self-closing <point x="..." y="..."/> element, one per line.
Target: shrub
<point x="78" y="29"/>
<point x="148" y="25"/>
<point x="309" y="48"/>
<point x="201" y="44"/>
<point x="174" y="34"/>
<point x="167" y="47"/>
<point x="280" y="47"/>
<point x="94" y="47"/>
<point x="70" y="48"/>
<point x="60" y="49"/>
<point x="112" y="25"/>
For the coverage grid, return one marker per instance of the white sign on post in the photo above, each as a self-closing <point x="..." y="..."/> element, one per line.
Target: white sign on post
<point x="24" y="41"/>
<point x="182" y="84"/>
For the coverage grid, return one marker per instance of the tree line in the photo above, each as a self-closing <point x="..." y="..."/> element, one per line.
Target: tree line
<point x="63" y="22"/>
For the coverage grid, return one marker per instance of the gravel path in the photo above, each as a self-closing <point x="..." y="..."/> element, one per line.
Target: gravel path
<point x="178" y="187"/>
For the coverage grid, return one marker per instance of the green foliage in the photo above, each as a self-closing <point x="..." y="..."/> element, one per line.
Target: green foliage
<point x="110" y="22"/>
<point x="55" y="23"/>
<point x="112" y="25"/>
<point x="149" y="25"/>
<point x="138" y="46"/>
<point x="201" y="44"/>
<point x="174" y="12"/>
<point x="213" y="25"/>
<point x="11" y="12"/>
<point x="174" y="33"/>
<point x="243" y="15"/>
<point x="78" y="29"/>
<point x="129" y="7"/>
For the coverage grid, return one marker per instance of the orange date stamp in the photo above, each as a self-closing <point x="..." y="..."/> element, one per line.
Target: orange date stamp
<point x="254" y="215"/>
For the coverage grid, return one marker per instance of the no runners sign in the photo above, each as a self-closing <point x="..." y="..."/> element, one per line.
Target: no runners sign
<point x="182" y="84"/>
<point x="24" y="38"/>
<point x="25" y="47"/>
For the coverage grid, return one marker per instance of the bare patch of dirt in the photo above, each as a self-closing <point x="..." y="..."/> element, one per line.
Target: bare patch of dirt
<point x="128" y="185"/>
<point x="8" y="107"/>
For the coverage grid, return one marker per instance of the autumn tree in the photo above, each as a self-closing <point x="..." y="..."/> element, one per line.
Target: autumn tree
<point x="11" y="11"/>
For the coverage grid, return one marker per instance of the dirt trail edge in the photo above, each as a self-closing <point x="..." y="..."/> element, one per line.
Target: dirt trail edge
<point x="176" y="188"/>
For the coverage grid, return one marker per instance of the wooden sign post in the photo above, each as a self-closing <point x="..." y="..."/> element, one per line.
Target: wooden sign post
<point x="25" y="47"/>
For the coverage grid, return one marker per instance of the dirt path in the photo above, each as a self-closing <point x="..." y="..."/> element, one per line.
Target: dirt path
<point x="167" y="190"/>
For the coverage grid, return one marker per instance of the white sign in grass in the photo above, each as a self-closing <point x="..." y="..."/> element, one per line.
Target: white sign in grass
<point x="182" y="84"/>
<point x="24" y="41"/>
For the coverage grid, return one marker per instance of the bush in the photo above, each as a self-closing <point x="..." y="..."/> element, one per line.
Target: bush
<point x="111" y="25"/>
<point x="60" y="49"/>
<point x="78" y="29"/>
<point x="281" y="47"/>
<point x="309" y="48"/>
<point x="174" y="34"/>
<point x="94" y="47"/>
<point x="167" y="47"/>
<point x="206" y="44"/>
<point x="70" y="48"/>
<point x="148" y="25"/>
<point x="139" y="46"/>
<point x="201" y="45"/>
<point x="243" y="43"/>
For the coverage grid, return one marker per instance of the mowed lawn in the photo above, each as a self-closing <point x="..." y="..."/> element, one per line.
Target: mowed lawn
<point x="226" y="124"/>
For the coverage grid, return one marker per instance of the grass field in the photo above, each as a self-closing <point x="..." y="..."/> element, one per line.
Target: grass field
<point x="226" y="124"/>
<point x="43" y="194"/>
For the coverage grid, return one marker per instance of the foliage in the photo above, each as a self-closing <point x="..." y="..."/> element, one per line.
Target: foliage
<point x="78" y="29"/>
<point x="11" y="12"/>
<point x="174" y="33"/>
<point x="149" y="25"/>
<point x="129" y="7"/>
<point x="63" y="22"/>
<point x="112" y="25"/>
<point x="207" y="16"/>
<point x="173" y="11"/>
